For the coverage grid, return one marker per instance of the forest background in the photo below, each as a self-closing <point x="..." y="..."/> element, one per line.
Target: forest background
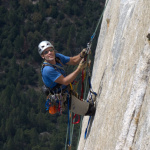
<point x="68" y="24"/>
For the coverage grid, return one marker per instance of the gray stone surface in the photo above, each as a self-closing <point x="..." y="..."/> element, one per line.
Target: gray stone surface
<point x="121" y="78"/>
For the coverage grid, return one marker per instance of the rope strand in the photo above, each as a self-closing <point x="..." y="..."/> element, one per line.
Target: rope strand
<point x="92" y="37"/>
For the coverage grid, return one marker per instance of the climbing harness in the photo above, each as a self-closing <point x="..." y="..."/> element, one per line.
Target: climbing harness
<point x="56" y="96"/>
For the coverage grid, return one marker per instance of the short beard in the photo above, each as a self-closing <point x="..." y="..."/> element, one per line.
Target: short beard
<point x="50" y="59"/>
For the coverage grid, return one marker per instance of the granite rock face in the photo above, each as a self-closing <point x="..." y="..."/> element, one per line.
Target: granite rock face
<point x="121" y="77"/>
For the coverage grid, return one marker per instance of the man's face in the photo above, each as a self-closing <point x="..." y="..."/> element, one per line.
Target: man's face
<point x="48" y="54"/>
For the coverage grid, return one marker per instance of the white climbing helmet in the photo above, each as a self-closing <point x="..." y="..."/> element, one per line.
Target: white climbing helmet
<point x="43" y="45"/>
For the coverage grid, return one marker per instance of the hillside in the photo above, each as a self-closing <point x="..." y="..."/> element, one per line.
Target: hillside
<point x="24" y="122"/>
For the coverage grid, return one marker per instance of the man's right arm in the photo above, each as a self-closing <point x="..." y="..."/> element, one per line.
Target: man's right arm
<point x="68" y="79"/>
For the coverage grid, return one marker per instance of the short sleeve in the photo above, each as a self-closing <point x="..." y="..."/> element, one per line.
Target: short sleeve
<point x="64" y="59"/>
<point x="49" y="75"/>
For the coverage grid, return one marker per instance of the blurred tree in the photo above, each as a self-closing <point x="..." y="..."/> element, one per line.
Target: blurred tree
<point x="36" y="17"/>
<point x="7" y="49"/>
<point x="9" y="128"/>
<point x="71" y="40"/>
<point x="13" y="4"/>
<point x="3" y="13"/>
<point x="61" y="16"/>
<point x="14" y="100"/>
<point x="54" y="12"/>
<point x="26" y="6"/>
<point x="19" y="139"/>
<point x="40" y="120"/>
<point x="22" y="26"/>
<point x="76" y="10"/>
<point x="34" y="137"/>
<point x="9" y="145"/>
<point x="18" y="43"/>
<point x="13" y="32"/>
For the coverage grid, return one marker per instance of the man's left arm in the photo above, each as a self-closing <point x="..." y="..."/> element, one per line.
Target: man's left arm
<point x="76" y="59"/>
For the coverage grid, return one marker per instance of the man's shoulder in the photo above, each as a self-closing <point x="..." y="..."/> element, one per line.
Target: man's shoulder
<point x="60" y="56"/>
<point x="64" y="59"/>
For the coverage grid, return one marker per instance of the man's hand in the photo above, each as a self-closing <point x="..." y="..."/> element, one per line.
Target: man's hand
<point x="82" y="64"/>
<point x="83" y="53"/>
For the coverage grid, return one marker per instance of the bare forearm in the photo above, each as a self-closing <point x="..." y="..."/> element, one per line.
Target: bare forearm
<point x="70" y="78"/>
<point x="75" y="60"/>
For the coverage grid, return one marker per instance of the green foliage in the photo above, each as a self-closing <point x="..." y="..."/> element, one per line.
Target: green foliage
<point x="54" y="12"/>
<point x="24" y="123"/>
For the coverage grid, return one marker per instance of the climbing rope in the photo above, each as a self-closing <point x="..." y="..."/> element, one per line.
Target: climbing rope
<point x="69" y="132"/>
<point x="101" y="16"/>
<point x="88" y="48"/>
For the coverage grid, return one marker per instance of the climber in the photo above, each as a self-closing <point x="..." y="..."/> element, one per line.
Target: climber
<point x="55" y="78"/>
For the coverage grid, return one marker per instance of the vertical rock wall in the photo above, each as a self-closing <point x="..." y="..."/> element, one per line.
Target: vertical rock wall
<point x="121" y="78"/>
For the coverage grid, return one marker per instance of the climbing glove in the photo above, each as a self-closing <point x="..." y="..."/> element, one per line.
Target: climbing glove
<point x="83" y="53"/>
<point x="82" y="64"/>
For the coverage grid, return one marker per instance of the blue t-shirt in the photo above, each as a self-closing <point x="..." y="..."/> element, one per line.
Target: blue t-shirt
<point x="50" y="74"/>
